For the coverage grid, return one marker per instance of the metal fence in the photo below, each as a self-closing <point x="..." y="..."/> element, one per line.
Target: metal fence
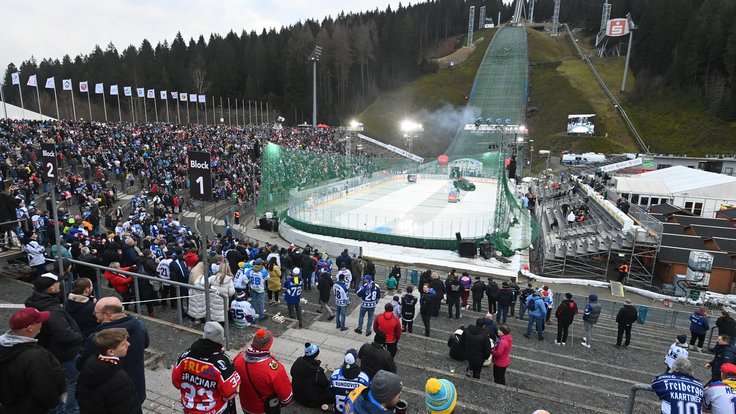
<point x="180" y="288"/>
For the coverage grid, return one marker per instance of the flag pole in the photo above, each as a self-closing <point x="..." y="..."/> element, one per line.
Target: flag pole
<point x="20" y="92"/>
<point x="205" y="111"/>
<point x="145" y="109"/>
<point x="196" y="107"/>
<point x="120" y="111"/>
<point x="104" y="103"/>
<point x="155" y="106"/>
<point x="188" y="122"/>
<point x="132" y="110"/>
<point x="214" y="112"/>
<point x="250" y="116"/>
<point x="168" y="119"/>
<point x="267" y="112"/>
<point x="56" y="102"/>
<point x="74" y="108"/>
<point x="89" y="104"/>
<point x="38" y="98"/>
<point x="2" y="97"/>
<point x="229" y="113"/>
<point x="222" y="115"/>
<point x="178" y="118"/>
<point x="236" y="112"/>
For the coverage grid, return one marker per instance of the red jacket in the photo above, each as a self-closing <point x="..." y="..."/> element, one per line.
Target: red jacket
<point x="268" y="376"/>
<point x="389" y="324"/>
<point x="502" y="350"/>
<point x="119" y="282"/>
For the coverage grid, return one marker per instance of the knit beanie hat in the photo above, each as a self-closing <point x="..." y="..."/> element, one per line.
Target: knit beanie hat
<point x="214" y="332"/>
<point x="311" y="350"/>
<point x="682" y="338"/>
<point x="440" y="396"/>
<point x="593" y="297"/>
<point x="351" y="356"/>
<point x="385" y="386"/>
<point x="263" y="340"/>
<point x="380" y="338"/>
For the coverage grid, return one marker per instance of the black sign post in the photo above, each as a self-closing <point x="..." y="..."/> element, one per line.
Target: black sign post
<point x="50" y="173"/>
<point x="200" y="188"/>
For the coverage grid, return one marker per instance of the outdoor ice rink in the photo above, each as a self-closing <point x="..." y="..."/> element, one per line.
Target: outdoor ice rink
<point x="419" y="209"/>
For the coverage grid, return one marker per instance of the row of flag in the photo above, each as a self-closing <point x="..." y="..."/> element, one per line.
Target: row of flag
<point x="66" y="85"/>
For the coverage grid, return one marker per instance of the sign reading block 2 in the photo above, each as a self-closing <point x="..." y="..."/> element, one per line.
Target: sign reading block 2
<point x="48" y="161"/>
<point x="200" y="175"/>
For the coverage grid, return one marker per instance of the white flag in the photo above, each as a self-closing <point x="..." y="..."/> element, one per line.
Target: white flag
<point x="151" y="94"/>
<point x="99" y="88"/>
<point x="182" y="96"/>
<point x="66" y="84"/>
<point x="50" y="83"/>
<point x="163" y="95"/>
<point x="83" y="86"/>
<point x="140" y="92"/>
<point x="201" y="99"/>
<point x="128" y="91"/>
<point x="175" y="95"/>
<point x="32" y="81"/>
<point x="15" y="78"/>
<point x="192" y="97"/>
<point x="113" y="89"/>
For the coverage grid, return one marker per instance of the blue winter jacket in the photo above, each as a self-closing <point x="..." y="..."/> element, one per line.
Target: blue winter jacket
<point x="540" y="310"/>
<point x="699" y="323"/>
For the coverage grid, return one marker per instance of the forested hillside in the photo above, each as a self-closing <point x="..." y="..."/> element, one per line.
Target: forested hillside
<point x="362" y="54"/>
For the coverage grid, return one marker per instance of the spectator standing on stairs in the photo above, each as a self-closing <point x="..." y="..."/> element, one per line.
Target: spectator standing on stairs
<point x="590" y="317"/>
<point x="698" y="327"/>
<point x="724" y="353"/>
<point x="727" y="326"/>
<point x="625" y="318"/>
<point x="677" y="350"/>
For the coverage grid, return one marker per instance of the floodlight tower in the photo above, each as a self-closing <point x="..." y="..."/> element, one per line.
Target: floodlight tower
<point x="531" y="11"/>
<point x="315" y="58"/>
<point x="556" y="18"/>
<point x="470" y="26"/>
<point x="606" y="15"/>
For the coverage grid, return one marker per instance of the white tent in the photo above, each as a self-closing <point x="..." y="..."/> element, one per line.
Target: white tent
<point x="689" y="188"/>
<point x="16" y="112"/>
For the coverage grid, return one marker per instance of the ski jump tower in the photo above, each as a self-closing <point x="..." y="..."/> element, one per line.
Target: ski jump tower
<point x="518" y="12"/>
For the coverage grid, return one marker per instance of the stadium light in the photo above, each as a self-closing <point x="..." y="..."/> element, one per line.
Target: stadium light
<point x="355" y="126"/>
<point x="410" y="126"/>
<point x="316" y="54"/>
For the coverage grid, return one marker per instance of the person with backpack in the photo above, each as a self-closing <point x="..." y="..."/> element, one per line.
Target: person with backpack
<point x="590" y="317"/>
<point x="525" y="294"/>
<point x="537" y="315"/>
<point x="492" y="293"/>
<point x="408" y="309"/>
<point x="565" y="314"/>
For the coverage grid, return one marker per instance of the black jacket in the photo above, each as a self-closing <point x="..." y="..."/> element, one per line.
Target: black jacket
<point x="309" y="382"/>
<point x="31" y="379"/>
<point x="85" y="271"/>
<point x="130" y="256"/>
<point x="374" y="357"/>
<point x="492" y="290"/>
<point x="723" y="354"/>
<point x="476" y="344"/>
<point x="60" y="334"/>
<point x="132" y="363"/>
<point x="408" y="307"/>
<point x="504" y="296"/>
<point x="478" y="289"/>
<point x="81" y="308"/>
<point x="454" y="288"/>
<point x="344" y="260"/>
<point x="627" y="315"/>
<point x="426" y="304"/>
<point x="566" y="311"/>
<point x="726" y="326"/>
<point x="457" y="350"/>
<point x="324" y="285"/>
<point x="104" y="388"/>
<point x="438" y="286"/>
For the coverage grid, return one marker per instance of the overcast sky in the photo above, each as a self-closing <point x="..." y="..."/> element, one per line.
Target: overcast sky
<point x="51" y="29"/>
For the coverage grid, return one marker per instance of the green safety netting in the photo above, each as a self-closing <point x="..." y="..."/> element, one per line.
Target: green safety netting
<point x="292" y="180"/>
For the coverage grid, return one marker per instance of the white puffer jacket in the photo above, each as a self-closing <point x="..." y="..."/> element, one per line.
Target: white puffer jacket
<point x="217" y="306"/>
<point x="197" y="304"/>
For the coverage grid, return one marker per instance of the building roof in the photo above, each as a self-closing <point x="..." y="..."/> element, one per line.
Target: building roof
<point x="666" y="208"/>
<point x="729" y="213"/>
<point x="698" y="221"/>
<point x="678" y="180"/>
<point x="726" y="245"/>
<point x="683" y="241"/>
<point x="668" y="254"/>
<point x="710" y="231"/>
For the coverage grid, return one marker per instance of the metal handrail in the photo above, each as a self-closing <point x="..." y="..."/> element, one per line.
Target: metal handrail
<point x="136" y="276"/>
<point x="632" y="395"/>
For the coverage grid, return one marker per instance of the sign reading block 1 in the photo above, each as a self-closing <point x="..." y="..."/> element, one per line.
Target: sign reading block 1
<point x="200" y="175"/>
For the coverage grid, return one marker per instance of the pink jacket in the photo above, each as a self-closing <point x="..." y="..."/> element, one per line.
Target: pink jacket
<point x="502" y="350"/>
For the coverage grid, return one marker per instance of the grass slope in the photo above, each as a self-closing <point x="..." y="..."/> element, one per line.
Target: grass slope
<point x="424" y="100"/>
<point x="562" y="84"/>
